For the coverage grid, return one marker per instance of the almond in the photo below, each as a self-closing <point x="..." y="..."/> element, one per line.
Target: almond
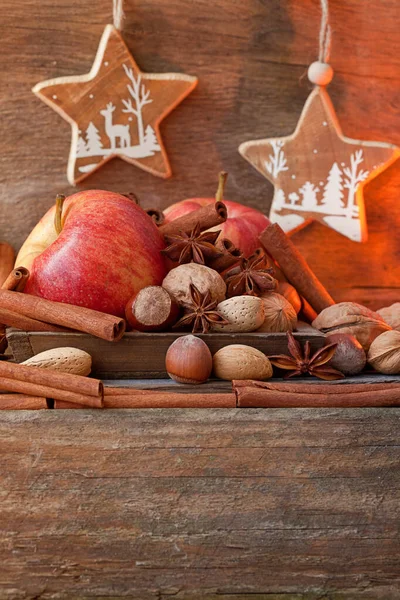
<point x="241" y="362"/>
<point x="244" y="313"/>
<point x="65" y="360"/>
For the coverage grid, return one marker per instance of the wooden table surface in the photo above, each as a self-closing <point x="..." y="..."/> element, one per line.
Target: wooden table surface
<point x="183" y="504"/>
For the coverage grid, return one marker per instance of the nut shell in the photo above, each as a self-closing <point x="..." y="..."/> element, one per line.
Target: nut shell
<point x="188" y="360"/>
<point x="354" y="319"/>
<point x="244" y="313"/>
<point x="391" y="314"/>
<point x="349" y="357"/>
<point x="280" y="315"/>
<point x="384" y="353"/>
<point x="178" y="281"/>
<point x="64" y="360"/>
<point x="238" y="361"/>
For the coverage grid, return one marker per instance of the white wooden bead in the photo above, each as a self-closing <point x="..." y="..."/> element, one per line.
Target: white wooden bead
<point x="320" y="73"/>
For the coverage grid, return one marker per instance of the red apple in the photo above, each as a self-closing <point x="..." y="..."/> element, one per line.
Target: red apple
<point x="243" y="226"/>
<point x="108" y="250"/>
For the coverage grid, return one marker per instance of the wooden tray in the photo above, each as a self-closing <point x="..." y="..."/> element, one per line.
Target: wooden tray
<point x="142" y="355"/>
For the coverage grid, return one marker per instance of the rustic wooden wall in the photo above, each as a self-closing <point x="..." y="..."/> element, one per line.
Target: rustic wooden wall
<point x="251" y="59"/>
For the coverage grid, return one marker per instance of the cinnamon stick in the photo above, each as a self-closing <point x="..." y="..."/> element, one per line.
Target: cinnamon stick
<point x="16" y="280"/>
<point x="34" y="389"/>
<point x="99" y="324"/>
<point x="64" y="404"/>
<point x="206" y="216"/>
<point x="255" y="394"/>
<point x="50" y="384"/>
<point x="307" y="311"/>
<point x="150" y="399"/>
<point x="230" y="255"/>
<point x="22" y="402"/>
<point x="7" y="258"/>
<point x="13" y="319"/>
<point x="295" y="267"/>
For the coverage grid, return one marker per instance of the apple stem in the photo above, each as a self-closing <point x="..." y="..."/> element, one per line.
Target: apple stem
<point x="57" y="217"/>
<point x="221" y="186"/>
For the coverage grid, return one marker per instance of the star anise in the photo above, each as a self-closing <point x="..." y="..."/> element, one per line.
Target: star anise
<point x="251" y="277"/>
<point x="192" y="247"/>
<point x="301" y="361"/>
<point x="201" y="312"/>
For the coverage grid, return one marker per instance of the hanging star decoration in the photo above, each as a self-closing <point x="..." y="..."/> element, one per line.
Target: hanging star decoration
<point x="115" y="110"/>
<point x="318" y="173"/>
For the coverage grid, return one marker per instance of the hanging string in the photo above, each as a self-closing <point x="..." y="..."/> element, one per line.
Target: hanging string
<point x="118" y="13"/>
<point x="325" y="34"/>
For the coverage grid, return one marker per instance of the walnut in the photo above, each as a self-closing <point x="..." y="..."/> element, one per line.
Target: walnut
<point x="280" y="316"/>
<point x="352" y="318"/>
<point x="178" y="281"/>
<point x="384" y="353"/>
<point x="391" y="314"/>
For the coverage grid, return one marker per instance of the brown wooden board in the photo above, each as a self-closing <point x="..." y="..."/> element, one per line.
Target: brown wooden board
<point x="212" y="504"/>
<point x="142" y="355"/>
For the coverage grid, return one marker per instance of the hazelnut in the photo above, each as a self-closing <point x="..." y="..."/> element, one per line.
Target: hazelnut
<point x="238" y="361"/>
<point x="349" y="357"/>
<point x="279" y="314"/>
<point x="178" y="281"/>
<point x="244" y="313"/>
<point x="352" y="318"/>
<point x="291" y="295"/>
<point x="151" y="309"/>
<point x="384" y="353"/>
<point x="188" y="360"/>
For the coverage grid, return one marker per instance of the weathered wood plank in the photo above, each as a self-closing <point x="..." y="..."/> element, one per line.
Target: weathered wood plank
<point x="142" y="355"/>
<point x="251" y="61"/>
<point x="204" y="504"/>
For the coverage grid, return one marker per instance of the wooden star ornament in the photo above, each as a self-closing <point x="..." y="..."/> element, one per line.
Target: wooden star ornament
<point x="115" y="110"/>
<point x="318" y="173"/>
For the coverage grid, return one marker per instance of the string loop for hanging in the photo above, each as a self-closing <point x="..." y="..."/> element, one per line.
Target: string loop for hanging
<point x="118" y="13"/>
<point x="325" y="34"/>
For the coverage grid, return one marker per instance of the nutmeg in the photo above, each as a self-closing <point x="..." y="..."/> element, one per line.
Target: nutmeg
<point x="290" y="293"/>
<point x="384" y="353"/>
<point x="64" y="360"/>
<point x="349" y="357"/>
<point x="151" y="309"/>
<point x="352" y="318"/>
<point x="391" y="315"/>
<point x="189" y="360"/>
<point x="178" y="281"/>
<point x="279" y="314"/>
<point x="238" y="361"/>
<point x="243" y="313"/>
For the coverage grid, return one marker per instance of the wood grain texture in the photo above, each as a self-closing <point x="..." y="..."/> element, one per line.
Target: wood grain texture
<point x="209" y="504"/>
<point x="251" y="60"/>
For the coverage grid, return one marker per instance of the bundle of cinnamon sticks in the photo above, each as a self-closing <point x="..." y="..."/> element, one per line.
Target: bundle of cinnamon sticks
<point x="27" y="383"/>
<point x="31" y="313"/>
<point x="40" y="389"/>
